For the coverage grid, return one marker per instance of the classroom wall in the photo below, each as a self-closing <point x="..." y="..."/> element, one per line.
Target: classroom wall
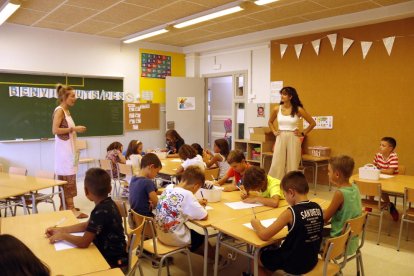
<point x="368" y="98"/>
<point x="47" y="51"/>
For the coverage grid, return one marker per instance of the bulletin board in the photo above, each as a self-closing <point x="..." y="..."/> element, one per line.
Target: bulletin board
<point x="140" y="116"/>
<point x="369" y="98"/>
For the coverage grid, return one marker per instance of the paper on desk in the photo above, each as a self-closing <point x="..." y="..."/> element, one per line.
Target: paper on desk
<point x="63" y="245"/>
<point x="385" y="176"/>
<point x="176" y="160"/>
<point x="266" y="223"/>
<point x="242" y="205"/>
<point x="209" y="208"/>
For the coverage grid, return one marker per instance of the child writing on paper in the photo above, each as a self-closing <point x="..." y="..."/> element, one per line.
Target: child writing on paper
<point x="261" y="188"/>
<point x="298" y="254"/>
<point x="219" y="158"/>
<point x="133" y="155"/>
<point x="386" y="160"/>
<point x="142" y="189"/>
<point x="104" y="228"/>
<point x="114" y="153"/>
<point x="346" y="201"/>
<point x="190" y="158"/>
<point x="238" y="166"/>
<point x="174" y="142"/>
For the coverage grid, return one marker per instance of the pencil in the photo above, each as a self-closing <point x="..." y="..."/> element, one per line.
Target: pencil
<point x="201" y="192"/>
<point x="254" y="214"/>
<point x="59" y="222"/>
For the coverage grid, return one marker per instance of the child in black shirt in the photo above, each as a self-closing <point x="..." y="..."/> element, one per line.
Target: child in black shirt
<point x="298" y="254"/>
<point x="104" y="228"/>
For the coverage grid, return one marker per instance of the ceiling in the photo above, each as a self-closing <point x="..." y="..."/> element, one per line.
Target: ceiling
<point x="118" y="19"/>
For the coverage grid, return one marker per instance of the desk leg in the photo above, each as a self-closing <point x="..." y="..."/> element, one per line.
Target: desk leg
<point x="216" y="261"/>
<point x="34" y="207"/>
<point x="63" y="196"/>
<point x="24" y="205"/>
<point x="256" y="261"/>
<point x="205" y="264"/>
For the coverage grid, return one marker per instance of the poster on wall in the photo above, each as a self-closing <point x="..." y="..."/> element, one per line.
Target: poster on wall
<point x="260" y="110"/>
<point x="186" y="103"/>
<point x="155" y="66"/>
<point x="322" y="122"/>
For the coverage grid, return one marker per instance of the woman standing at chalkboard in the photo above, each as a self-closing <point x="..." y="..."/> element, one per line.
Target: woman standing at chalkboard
<point x="287" y="150"/>
<point x="66" y="157"/>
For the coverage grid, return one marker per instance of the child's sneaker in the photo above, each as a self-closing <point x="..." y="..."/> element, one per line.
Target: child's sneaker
<point x="368" y="209"/>
<point x="394" y="212"/>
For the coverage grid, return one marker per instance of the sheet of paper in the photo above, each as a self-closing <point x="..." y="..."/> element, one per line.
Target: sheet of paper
<point x="176" y="160"/>
<point x="209" y="208"/>
<point x="242" y="205"/>
<point x="63" y="245"/>
<point x="266" y="223"/>
<point x="385" y="176"/>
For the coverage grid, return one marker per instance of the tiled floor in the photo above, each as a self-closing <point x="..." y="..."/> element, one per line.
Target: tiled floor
<point x="380" y="259"/>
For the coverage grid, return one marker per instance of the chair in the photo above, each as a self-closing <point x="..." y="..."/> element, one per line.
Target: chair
<point x="122" y="208"/>
<point x="358" y="226"/>
<point x="126" y="170"/>
<point x="82" y="145"/>
<point x="152" y="249"/>
<point x="17" y="171"/>
<point x="211" y="174"/>
<point x="401" y="170"/>
<point x="372" y="189"/>
<point x="106" y="164"/>
<point x="335" y="249"/>
<point x="408" y="213"/>
<point x="134" y="240"/>
<point x="13" y="201"/>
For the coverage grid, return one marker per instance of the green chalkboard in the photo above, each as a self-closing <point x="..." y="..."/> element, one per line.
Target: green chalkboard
<point x="23" y="117"/>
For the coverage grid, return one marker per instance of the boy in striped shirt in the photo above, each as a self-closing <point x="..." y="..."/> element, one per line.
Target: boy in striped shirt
<point x="386" y="160"/>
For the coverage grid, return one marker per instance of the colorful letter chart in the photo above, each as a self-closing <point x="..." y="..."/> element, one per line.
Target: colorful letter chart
<point x="155" y="66"/>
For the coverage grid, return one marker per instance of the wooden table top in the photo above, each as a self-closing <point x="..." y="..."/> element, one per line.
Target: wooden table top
<point x="12" y="185"/>
<point x="236" y="229"/>
<point x="30" y="229"/>
<point x="110" y="272"/>
<point x="394" y="185"/>
<point x="170" y="166"/>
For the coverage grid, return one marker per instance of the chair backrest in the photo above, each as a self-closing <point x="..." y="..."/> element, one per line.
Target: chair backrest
<point x="125" y="169"/>
<point x="408" y="198"/>
<point x="17" y="171"/>
<point x="369" y="188"/>
<point x="401" y="169"/>
<point x="148" y="229"/>
<point x="121" y="205"/>
<point x="81" y="144"/>
<point x="134" y="239"/>
<point x="211" y="174"/>
<point x="45" y="174"/>
<point x="106" y="164"/>
<point x="358" y="226"/>
<point x="335" y="248"/>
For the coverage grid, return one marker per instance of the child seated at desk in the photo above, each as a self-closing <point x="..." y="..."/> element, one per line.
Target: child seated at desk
<point x="261" y="188"/>
<point x="114" y="153"/>
<point x="104" y="228"/>
<point x="17" y="259"/>
<point x="174" y="142"/>
<point x="142" y="189"/>
<point x="133" y="155"/>
<point x="190" y="158"/>
<point x="386" y="160"/>
<point x="238" y="166"/>
<point x="346" y="202"/>
<point x="219" y="158"/>
<point x="298" y="254"/>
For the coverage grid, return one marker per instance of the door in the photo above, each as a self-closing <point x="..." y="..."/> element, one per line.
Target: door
<point x="189" y="117"/>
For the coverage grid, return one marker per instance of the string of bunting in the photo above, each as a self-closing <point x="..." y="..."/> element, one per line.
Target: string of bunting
<point x="346" y="44"/>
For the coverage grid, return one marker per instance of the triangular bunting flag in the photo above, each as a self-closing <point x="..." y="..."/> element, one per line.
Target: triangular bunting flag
<point x="298" y="49"/>
<point x="332" y="39"/>
<point x="365" y="45"/>
<point x="346" y="44"/>
<point x="388" y="43"/>
<point x="316" y="43"/>
<point x="283" y="48"/>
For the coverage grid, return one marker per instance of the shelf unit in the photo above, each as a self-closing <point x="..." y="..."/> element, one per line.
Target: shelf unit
<point x="248" y="147"/>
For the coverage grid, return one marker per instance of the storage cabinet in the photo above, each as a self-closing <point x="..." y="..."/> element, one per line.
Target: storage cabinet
<point x="253" y="150"/>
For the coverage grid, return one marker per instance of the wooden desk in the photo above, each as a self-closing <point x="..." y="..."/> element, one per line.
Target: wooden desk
<point x="394" y="185"/>
<point x="31" y="229"/>
<point x="235" y="229"/>
<point x="316" y="162"/>
<point x="20" y="185"/>
<point x="110" y="272"/>
<point x="170" y="166"/>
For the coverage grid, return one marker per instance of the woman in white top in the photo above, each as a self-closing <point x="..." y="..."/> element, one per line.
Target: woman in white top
<point x="133" y="156"/>
<point x="287" y="150"/>
<point x="190" y="158"/>
<point x="66" y="156"/>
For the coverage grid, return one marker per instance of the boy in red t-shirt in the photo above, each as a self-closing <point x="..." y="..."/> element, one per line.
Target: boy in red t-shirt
<point x="238" y="166"/>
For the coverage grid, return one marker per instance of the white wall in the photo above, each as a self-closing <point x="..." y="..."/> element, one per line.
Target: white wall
<point x="28" y="49"/>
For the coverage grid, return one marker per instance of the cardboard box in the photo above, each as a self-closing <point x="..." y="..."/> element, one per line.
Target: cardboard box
<point x="261" y="134"/>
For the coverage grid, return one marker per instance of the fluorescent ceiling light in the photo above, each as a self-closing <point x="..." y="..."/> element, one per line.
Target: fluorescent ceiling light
<point x="7" y="10"/>
<point x="264" y="2"/>
<point x="208" y="17"/>
<point x="144" y="36"/>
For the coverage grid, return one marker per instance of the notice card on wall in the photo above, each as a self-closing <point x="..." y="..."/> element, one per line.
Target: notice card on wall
<point x="322" y="122"/>
<point x="275" y="87"/>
